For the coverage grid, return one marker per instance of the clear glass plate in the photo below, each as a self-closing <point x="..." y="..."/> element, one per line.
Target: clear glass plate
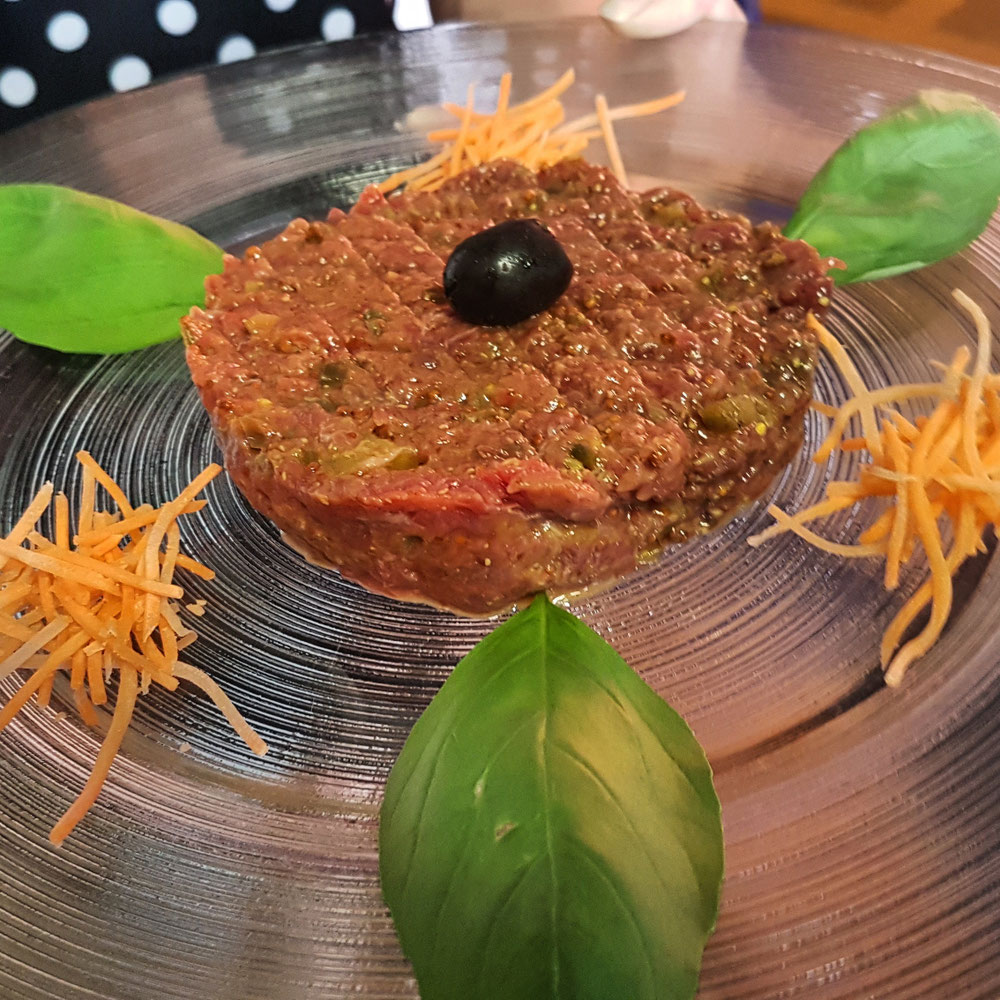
<point x="862" y="824"/>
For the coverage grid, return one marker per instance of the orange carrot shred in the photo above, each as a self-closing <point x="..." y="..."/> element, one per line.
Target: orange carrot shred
<point x="62" y="521"/>
<point x="78" y="604"/>
<point x="127" y="691"/>
<point x="48" y="605"/>
<point x="27" y="521"/>
<point x="100" y="476"/>
<point x="78" y="676"/>
<point x="195" y="567"/>
<point x="463" y="131"/>
<point x="84" y="706"/>
<point x="530" y="133"/>
<point x="88" y="493"/>
<point x="45" y="692"/>
<point x="95" y="679"/>
<point x="946" y="465"/>
<point x="614" y="153"/>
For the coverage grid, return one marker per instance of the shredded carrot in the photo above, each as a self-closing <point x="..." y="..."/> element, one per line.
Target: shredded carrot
<point x="27" y="521"/>
<point x="95" y="678"/>
<point x="200" y="679"/>
<point x="105" y="757"/>
<point x="610" y="141"/>
<point x="497" y="123"/>
<point x="195" y="567"/>
<point x="100" y="476"/>
<point x="88" y="494"/>
<point x="33" y="643"/>
<point x="45" y="692"/>
<point x="942" y="466"/>
<point x="62" y="521"/>
<point x="85" y="706"/>
<point x="78" y="676"/>
<point x="45" y="599"/>
<point x="103" y="606"/>
<point x="532" y="133"/>
<point x="463" y="133"/>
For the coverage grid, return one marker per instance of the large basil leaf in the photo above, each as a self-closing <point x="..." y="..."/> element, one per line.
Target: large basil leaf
<point x="911" y="188"/>
<point x="85" y="274"/>
<point x="550" y="829"/>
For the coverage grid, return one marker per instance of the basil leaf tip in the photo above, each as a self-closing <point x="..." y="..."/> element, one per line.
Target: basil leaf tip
<point x="550" y="828"/>
<point x="911" y="188"/>
<point x="88" y="275"/>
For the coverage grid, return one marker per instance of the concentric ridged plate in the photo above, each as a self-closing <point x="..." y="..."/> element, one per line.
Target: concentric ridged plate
<point x="862" y="824"/>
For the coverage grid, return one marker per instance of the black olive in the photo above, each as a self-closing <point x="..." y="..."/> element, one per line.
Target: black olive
<point x="506" y="273"/>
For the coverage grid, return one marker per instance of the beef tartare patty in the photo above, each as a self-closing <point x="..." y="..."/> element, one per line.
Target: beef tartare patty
<point x="431" y="459"/>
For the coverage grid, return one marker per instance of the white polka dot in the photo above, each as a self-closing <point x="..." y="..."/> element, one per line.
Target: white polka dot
<point x="17" y="87"/>
<point x="234" y="48"/>
<point x="67" y="31"/>
<point x="338" y="23"/>
<point x="279" y="6"/>
<point x="129" y="72"/>
<point x="176" y="17"/>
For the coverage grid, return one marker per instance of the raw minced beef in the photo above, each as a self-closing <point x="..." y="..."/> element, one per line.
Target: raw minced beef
<point x="435" y="460"/>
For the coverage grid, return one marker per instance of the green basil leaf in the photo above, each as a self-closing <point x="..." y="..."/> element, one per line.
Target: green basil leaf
<point x="85" y="274"/>
<point x="910" y="189"/>
<point x="550" y="829"/>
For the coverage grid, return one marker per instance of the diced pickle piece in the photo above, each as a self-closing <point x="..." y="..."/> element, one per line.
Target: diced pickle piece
<point x="373" y="453"/>
<point x="738" y="410"/>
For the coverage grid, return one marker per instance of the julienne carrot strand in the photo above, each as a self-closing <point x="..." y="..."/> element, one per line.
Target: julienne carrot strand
<point x="82" y="610"/>
<point x="101" y="477"/>
<point x="830" y="505"/>
<point x="221" y="699"/>
<point x="27" y="521"/>
<point x="88" y="493"/>
<point x="897" y="535"/>
<point x="496" y="135"/>
<point x="862" y="395"/>
<point x="531" y="133"/>
<point x="32" y="645"/>
<point x="463" y="131"/>
<point x="614" y="153"/>
<point x="60" y="656"/>
<point x="127" y="690"/>
<point x="95" y="679"/>
<point x="946" y="465"/>
<point x="85" y="707"/>
<point x="157" y="531"/>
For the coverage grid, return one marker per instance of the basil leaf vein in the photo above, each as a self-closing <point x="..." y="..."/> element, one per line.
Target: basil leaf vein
<point x="550" y="829"/>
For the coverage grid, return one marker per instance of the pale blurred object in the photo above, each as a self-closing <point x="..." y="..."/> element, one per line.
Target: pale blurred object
<point x="511" y="10"/>
<point x="659" y="18"/>
<point x="411" y="14"/>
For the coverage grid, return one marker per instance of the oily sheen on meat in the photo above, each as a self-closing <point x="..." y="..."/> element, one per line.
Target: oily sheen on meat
<point x="432" y="459"/>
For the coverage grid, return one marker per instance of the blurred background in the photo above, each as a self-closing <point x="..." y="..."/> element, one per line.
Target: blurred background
<point x="969" y="28"/>
<point x="57" y="52"/>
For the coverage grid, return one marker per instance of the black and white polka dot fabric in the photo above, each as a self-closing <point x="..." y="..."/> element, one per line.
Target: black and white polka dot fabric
<point x="54" y="53"/>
